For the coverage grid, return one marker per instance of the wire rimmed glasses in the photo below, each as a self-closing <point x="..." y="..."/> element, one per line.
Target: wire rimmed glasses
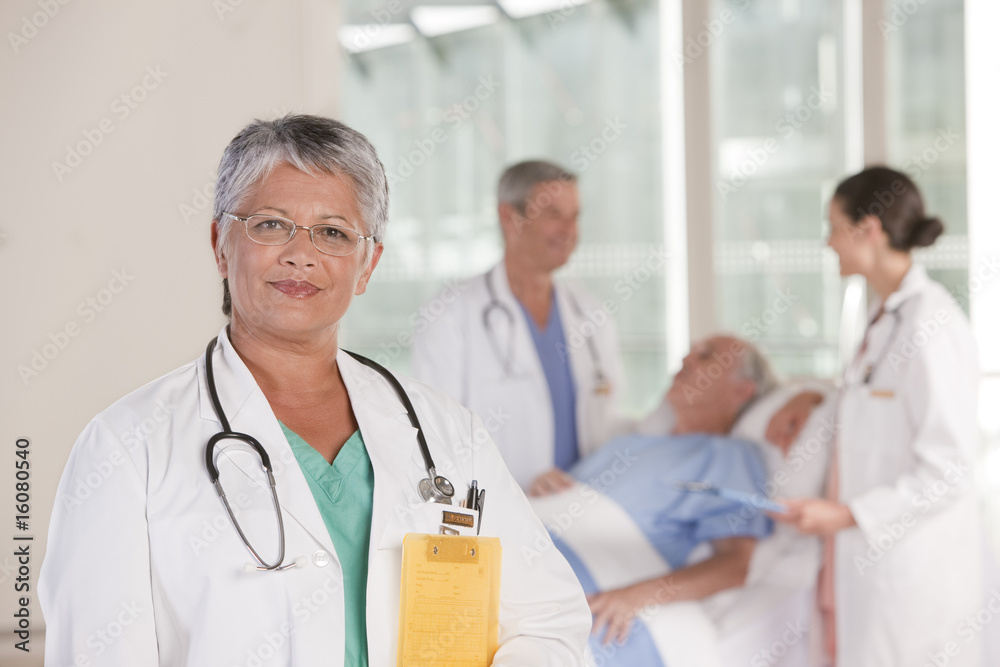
<point x="275" y="230"/>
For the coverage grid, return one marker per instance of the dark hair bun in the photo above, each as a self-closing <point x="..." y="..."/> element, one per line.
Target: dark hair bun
<point x="894" y="199"/>
<point x="925" y="232"/>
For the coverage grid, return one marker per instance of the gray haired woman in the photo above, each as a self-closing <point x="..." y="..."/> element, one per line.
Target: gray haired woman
<point x="262" y="524"/>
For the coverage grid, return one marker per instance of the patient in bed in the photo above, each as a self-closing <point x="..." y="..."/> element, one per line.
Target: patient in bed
<point x="634" y="537"/>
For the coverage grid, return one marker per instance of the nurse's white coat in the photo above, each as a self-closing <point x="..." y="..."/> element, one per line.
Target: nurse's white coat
<point x="144" y="568"/>
<point x="910" y="574"/>
<point x="455" y="352"/>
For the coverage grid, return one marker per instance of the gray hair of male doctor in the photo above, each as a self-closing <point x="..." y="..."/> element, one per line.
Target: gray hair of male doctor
<point x="313" y="144"/>
<point x="518" y="181"/>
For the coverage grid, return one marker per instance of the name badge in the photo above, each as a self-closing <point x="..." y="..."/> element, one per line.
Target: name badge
<point x="453" y="518"/>
<point x="436" y="519"/>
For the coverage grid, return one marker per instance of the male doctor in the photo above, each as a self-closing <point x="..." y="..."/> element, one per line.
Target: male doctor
<point x="538" y="356"/>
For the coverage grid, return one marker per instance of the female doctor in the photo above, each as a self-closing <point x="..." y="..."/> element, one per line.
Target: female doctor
<point x="149" y="568"/>
<point x="902" y="568"/>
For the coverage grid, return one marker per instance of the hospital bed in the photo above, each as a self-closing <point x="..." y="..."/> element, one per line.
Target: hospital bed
<point x="766" y="622"/>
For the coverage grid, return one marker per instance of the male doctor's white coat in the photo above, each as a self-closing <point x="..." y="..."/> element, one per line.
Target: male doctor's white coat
<point x="908" y="577"/>
<point x="144" y="568"/>
<point x="493" y="368"/>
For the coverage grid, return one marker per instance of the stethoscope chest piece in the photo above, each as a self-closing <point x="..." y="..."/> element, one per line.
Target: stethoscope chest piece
<point x="436" y="489"/>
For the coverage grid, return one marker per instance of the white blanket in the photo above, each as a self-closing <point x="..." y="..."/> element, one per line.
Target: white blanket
<point x="616" y="553"/>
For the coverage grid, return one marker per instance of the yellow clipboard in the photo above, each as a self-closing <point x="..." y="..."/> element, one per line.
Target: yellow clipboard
<point x="449" y="601"/>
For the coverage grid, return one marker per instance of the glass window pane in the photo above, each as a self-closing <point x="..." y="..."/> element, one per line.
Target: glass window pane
<point x="578" y="86"/>
<point x="777" y="127"/>
<point x="925" y="123"/>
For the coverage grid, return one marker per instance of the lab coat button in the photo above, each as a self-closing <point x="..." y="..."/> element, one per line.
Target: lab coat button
<point x="321" y="559"/>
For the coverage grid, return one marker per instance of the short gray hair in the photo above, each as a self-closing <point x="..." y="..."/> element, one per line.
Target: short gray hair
<point x="757" y="369"/>
<point x="520" y="179"/>
<point x="312" y="144"/>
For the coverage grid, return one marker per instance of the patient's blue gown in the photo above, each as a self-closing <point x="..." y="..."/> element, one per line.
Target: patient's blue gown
<point x="638" y="473"/>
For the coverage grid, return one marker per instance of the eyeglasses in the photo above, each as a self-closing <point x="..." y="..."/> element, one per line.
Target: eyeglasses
<point x="275" y="230"/>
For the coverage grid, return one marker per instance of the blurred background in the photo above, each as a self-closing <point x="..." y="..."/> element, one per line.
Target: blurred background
<point x="708" y="132"/>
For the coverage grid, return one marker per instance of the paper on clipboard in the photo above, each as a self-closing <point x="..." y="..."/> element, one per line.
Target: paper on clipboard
<point x="449" y="602"/>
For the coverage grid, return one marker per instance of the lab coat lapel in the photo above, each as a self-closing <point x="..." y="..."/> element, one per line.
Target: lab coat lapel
<point x="249" y="412"/>
<point x="389" y="438"/>
<point x="575" y="341"/>
<point x="880" y="332"/>
<point x="524" y="356"/>
<point x="233" y="381"/>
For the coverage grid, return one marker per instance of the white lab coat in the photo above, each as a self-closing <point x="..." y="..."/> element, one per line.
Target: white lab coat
<point x="909" y="574"/>
<point x="144" y="568"/>
<point x="453" y="351"/>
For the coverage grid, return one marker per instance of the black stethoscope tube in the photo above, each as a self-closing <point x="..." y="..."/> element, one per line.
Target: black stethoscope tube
<point x="435" y="488"/>
<point x="213" y="470"/>
<point x="897" y="320"/>
<point x="438" y="484"/>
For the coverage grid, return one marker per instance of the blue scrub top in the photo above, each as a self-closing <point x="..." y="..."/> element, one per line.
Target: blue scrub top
<point x="638" y="473"/>
<point x="550" y="343"/>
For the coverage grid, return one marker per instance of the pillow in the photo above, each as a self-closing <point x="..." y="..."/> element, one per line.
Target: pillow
<point x="752" y="424"/>
<point x="803" y="471"/>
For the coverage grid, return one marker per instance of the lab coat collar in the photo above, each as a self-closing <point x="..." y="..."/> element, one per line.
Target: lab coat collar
<point x="233" y="380"/>
<point x="388" y="435"/>
<point x="523" y="357"/>
<point x="573" y="319"/>
<point x="567" y="308"/>
<point x="581" y="366"/>
<point x="498" y="280"/>
<point x="235" y="384"/>
<point x="249" y="412"/>
<point x="913" y="283"/>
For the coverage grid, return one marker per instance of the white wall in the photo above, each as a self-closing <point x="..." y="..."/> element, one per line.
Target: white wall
<point x="64" y="236"/>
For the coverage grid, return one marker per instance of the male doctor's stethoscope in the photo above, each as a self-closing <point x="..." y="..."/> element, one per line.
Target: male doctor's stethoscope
<point x="601" y="383"/>
<point x="434" y="488"/>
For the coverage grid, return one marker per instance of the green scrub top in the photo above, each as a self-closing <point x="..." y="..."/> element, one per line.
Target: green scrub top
<point x="343" y="491"/>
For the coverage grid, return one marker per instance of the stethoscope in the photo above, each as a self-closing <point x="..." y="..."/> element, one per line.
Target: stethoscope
<point x="601" y="383"/>
<point x="866" y="378"/>
<point x="434" y="488"/>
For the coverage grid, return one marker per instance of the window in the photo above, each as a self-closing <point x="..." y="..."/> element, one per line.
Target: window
<point x="925" y="123"/>
<point x="448" y="113"/>
<point x="778" y="138"/>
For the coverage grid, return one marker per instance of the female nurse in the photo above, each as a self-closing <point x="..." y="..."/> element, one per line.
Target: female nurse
<point x="902" y="566"/>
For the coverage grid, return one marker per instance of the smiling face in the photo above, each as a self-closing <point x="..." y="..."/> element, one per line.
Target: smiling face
<point x="852" y="241"/>
<point x="710" y="380"/>
<point x="545" y="235"/>
<point x="293" y="292"/>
